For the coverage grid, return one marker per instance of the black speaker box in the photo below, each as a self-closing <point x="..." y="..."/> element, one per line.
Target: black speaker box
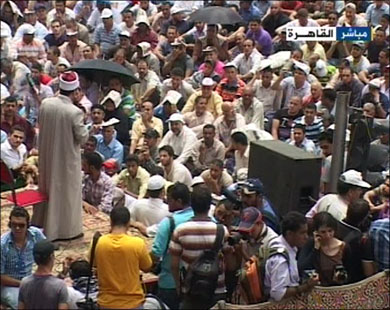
<point x="291" y="176"/>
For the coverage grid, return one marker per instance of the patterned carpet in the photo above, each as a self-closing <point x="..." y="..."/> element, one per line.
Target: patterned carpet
<point x="77" y="248"/>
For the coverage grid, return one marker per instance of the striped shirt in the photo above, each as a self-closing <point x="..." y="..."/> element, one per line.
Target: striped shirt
<point x="106" y="40"/>
<point x="313" y="130"/>
<point x="379" y="234"/>
<point x="99" y="193"/>
<point x="34" y="49"/>
<point x="190" y="239"/>
<point x="17" y="263"/>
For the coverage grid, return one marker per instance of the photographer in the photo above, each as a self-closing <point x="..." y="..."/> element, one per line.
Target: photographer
<point x="326" y="255"/>
<point x="252" y="238"/>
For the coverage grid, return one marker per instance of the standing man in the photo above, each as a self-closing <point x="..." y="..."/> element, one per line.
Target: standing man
<point x="62" y="132"/>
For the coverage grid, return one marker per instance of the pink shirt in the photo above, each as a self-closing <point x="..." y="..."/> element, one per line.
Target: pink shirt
<point x="218" y="68"/>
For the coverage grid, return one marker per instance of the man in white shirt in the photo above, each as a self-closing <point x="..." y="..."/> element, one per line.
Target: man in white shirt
<point x="197" y="119"/>
<point x="152" y="210"/>
<point x="173" y="170"/>
<point x="299" y="139"/>
<point x="248" y="62"/>
<point x="349" y="188"/>
<point x="31" y="18"/>
<point x="60" y="12"/>
<point x="180" y="137"/>
<point x="251" y="108"/>
<point x="149" y="83"/>
<point x="357" y="60"/>
<point x="240" y="144"/>
<point x="13" y="151"/>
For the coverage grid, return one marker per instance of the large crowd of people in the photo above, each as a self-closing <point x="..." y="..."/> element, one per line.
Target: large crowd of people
<point x="169" y="155"/>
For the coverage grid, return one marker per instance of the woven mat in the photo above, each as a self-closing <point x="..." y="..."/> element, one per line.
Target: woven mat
<point x="371" y="293"/>
<point x="76" y="248"/>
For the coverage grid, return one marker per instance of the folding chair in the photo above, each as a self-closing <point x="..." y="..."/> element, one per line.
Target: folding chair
<point x="22" y="199"/>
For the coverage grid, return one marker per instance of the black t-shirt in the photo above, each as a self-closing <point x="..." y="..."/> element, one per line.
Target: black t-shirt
<point x="373" y="50"/>
<point x="286" y="122"/>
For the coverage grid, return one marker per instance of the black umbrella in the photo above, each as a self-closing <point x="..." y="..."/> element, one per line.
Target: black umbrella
<point x="216" y="15"/>
<point x="101" y="71"/>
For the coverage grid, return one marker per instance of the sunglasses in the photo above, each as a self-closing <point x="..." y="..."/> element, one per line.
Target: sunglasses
<point x="18" y="225"/>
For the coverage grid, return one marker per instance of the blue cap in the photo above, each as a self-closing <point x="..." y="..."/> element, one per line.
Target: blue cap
<point x="253" y="186"/>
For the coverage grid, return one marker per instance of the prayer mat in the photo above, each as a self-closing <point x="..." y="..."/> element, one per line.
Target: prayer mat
<point x="371" y="293"/>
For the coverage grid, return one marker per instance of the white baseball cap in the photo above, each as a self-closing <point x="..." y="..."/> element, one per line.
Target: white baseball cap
<point x="230" y="64"/>
<point x="125" y="33"/>
<point x="111" y="122"/>
<point x="106" y="13"/>
<point x="145" y="47"/>
<point x="172" y="97"/>
<point x="303" y="67"/>
<point x="376" y="83"/>
<point x="208" y="82"/>
<point x="320" y="69"/>
<point x="197" y="180"/>
<point x="28" y="29"/>
<point x="156" y="182"/>
<point x="176" y="117"/>
<point x="114" y="96"/>
<point x="354" y="177"/>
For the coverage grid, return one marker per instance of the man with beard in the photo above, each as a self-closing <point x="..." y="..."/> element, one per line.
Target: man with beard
<point x="61" y="134"/>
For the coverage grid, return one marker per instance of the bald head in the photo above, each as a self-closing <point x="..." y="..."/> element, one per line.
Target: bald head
<point x="227" y="106"/>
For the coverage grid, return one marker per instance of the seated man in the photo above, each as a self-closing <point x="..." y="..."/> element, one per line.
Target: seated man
<point x="42" y="290"/>
<point x="152" y="210"/>
<point x="216" y="178"/>
<point x="147" y="120"/>
<point x="98" y="189"/>
<point x="107" y="144"/>
<point x="283" y="119"/>
<point x="281" y="275"/>
<point x="176" y="82"/>
<point x="148" y="154"/>
<point x="231" y="86"/>
<point x="180" y="137"/>
<point x="208" y="149"/>
<point x="134" y="179"/>
<point x="214" y="100"/>
<point x="240" y="145"/>
<point x="173" y="170"/>
<point x="119" y="260"/>
<point x="21" y="236"/>
<point x="299" y="139"/>
<point x="251" y="108"/>
<point x="167" y="107"/>
<point x="13" y="150"/>
<point x="178" y="59"/>
<point x="227" y="122"/>
<point x="197" y="119"/>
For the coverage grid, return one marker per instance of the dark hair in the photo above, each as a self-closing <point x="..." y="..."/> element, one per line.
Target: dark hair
<point x="119" y="216"/>
<point x="94" y="160"/>
<point x="36" y="65"/>
<point x="324" y="219"/>
<point x="249" y="39"/>
<point x="92" y="139"/>
<point x="350" y="69"/>
<point x="332" y="12"/>
<point x="142" y="60"/>
<point x="99" y="107"/>
<point x="66" y="93"/>
<point x="16" y="128"/>
<point x="197" y="99"/>
<point x="180" y="191"/>
<point x="386" y="16"/>
<point x="20" y="212"/>
<point x="42" y="260"/>
<point x="55" y="21"/>
<point x="240" y="138"/>
<point x="209" y="126"/>
<point x="79" y="268"/>
<point x="55" y="50"/>
<point x="358" y="211"/>
<point x="386" y="50"/>
<point x="326" y="136"/>
<point x="128" y="11"/>
<point x="172" y="27"/>
<point x="217" y="162"/>
<point x="200" y="199"/>
<point x="229" y="205"/>
<point x="168" y="149"/>
<point x="344" y="188"/>
<point x="177" y="72"/>
<point x="11" y="99"/>
<point x="292" y="221"/>
<point x="311" y="106"/>
<point x="210" y="62"/>
<point x="301" y="127"/>
<point x="297" y="50"/>
<point x="330" y="94"/>
<point x="157" y="170"/>
<point x="132" y="158"/>
<point x="255" y="19"/>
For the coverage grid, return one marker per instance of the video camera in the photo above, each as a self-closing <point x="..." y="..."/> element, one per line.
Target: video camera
<point x="236" y="237"/>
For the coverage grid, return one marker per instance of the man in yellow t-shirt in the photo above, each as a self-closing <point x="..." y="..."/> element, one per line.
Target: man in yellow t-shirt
<point x="119" y="259"/>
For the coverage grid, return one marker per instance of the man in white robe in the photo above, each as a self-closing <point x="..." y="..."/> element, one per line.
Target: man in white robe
<point x="61" y="134"/>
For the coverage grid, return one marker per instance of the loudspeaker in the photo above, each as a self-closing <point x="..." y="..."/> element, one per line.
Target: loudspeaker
<point x="291" y="176"/>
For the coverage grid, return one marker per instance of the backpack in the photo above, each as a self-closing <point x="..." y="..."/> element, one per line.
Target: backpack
<point x="251" y="276"/>
<point x="201" y="278"/>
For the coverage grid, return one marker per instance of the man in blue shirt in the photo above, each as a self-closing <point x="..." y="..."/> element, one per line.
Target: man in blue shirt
<point x="379" y="234"/>
<point x="17" y="254"/>
<point x="178" y="202"/>
<point x="252" y="195"/>
<point x="108" y="145"/>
